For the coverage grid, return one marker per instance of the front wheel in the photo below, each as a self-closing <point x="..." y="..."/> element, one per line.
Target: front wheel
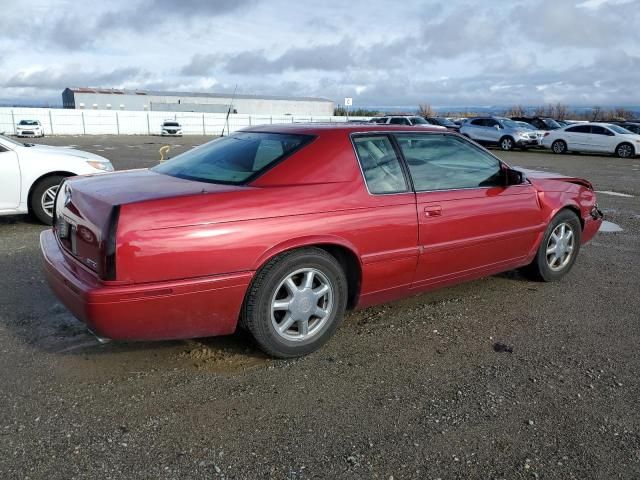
<point x="625" y="150"/>
<point x="41" y="202"/>
<point x="296" y="302"/>
<point x="506" y="143"/>
<point x="559" y="146"/>
<point x="559" y="248"/>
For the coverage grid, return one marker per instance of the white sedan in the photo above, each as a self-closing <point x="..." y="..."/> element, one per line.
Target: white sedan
<point x="30" y="175"/>
<point x="29" y="128"/>
<point x="593" y="137"/>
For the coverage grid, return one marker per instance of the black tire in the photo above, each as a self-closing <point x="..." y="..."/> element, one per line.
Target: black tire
<point x="256" y="314"/>
<point x="540" y="269"/>
<point x="506" y="143"/>
<point x="36" y="201"/>
<point x="559" y="146"/>
<point x="625" y="150"/>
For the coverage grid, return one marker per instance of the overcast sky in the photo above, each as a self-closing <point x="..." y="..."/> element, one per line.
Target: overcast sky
<point x="383" y="53"/>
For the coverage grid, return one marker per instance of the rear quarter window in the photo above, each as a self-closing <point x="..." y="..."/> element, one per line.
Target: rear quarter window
<point x="236" y="159"/>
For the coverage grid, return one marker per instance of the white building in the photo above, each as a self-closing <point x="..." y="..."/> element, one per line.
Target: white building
<point x="140" y="100"/>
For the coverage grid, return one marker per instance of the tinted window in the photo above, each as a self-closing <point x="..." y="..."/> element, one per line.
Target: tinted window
<point x="233" y="159"/>
<point x="579" y="129"/>
<point x="399" y="121"/>
<point x="446" y="162"/>
<point x="171" y="124"/>
<point x="479" y="122"/>
<point x="490" y="122"/>
<point x="551" y="124"/>
<point x="380" y="164"/>
<point x="30" y="123"/>
<point x="600" y="130"/>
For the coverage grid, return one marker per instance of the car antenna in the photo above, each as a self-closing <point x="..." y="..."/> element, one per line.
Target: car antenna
<point x="226" y="121"/>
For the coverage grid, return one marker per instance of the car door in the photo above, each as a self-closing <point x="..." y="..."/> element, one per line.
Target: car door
<point x="469" y="222"/>
<point x="602" y="139"/>
<point x="576" y="137"/>
<point x="492" y="131"/>
<point x="10" y="185"/>
<point x="475" y="129"/>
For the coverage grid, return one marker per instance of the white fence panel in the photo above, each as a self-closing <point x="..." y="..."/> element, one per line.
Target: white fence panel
<point x="124" y="122"/>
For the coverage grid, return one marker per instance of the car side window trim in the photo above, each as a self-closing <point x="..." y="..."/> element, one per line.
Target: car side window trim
<point x="503" y="165"/>
<point x="388" y="135"/>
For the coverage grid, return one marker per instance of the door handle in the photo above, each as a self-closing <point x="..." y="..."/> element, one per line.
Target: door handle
<point x="433" y="211"/>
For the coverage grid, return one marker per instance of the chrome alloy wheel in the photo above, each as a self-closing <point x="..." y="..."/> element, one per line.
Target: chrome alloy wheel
<point x="507" y="144"/>
<point x="48" y="198"/>
<point x="302" y="304"/>
<point x="625" y="151"/>
<point x="560" y="247"/>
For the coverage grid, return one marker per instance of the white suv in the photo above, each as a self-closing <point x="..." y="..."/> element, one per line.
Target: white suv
<point x="29" y="128"/>
<point x="403" y="120"/>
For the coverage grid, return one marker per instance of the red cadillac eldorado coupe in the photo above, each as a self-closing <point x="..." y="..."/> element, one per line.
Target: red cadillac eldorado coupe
<point x="279" y="229"/>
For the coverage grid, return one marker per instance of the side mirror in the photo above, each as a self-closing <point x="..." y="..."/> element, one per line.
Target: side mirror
<point x="513" y="177"/>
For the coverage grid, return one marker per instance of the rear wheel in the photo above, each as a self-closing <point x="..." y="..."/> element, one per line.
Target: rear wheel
<point x="296" y="302"/>
<point x="625" y="150"/>
<point x="506" y="143"/>
<point x="558" y="249"/>
<point x="41" y="202"/>
<point x="559" y="146"/>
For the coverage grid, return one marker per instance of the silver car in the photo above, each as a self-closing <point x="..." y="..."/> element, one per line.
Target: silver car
<point x="499" y="131"/>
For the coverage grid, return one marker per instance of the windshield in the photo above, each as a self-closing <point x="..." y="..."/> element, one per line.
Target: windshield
<point x="235" y="159"/>
<point x="619" y="129"/>
<point x="171" y="124"/>
<point x="418" y="121"/>
<point x="525" y="125"/>
<point x="510" y="124"/>
<point x="551" y="123"/>
<point x="29" y="122"/>
<point x="445" y="122"/>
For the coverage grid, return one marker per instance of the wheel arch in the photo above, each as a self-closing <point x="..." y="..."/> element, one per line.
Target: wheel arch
<point x="625" y="142"/>
<point x="342" y="250"/>
<point x="57" y="173"/>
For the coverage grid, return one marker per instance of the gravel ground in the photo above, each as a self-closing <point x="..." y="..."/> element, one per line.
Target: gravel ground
<point x="412" y="389"/>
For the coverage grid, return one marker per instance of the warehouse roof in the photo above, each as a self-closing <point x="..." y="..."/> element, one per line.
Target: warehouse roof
<point x="116" y="91"/>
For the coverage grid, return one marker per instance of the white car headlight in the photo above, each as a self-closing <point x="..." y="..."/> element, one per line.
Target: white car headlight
<point x="104" y="166"/>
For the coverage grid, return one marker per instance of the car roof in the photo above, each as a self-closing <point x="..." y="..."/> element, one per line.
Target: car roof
<point x="319" y="128"/>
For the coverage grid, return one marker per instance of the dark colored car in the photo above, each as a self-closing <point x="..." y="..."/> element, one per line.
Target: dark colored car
<point x="443" y="122"/>
<point x="633" y="127"/>
<point x="540" y="123"/>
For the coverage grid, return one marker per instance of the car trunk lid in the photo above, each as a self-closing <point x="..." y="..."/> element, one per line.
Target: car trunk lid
<point x="87" y="211"/>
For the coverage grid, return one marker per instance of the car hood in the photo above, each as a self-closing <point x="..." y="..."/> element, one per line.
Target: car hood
<point x="540" y="179"/>
<point x="66" y="151"/>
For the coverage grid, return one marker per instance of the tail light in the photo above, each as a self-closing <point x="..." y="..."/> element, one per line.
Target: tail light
<point x="110" y="245"/>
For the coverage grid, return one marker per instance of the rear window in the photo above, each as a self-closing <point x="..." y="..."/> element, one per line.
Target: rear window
<point x="235" y="159"/>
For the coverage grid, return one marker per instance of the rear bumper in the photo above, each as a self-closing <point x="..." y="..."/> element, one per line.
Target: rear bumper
<point x="153" y="311"/>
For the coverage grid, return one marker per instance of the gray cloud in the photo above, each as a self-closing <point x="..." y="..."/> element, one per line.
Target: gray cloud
<point x="71" y="75"/>
<point x="148" y="14"/>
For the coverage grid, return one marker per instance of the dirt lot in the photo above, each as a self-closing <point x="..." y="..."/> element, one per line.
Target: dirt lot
<point x="408" y="390"/>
